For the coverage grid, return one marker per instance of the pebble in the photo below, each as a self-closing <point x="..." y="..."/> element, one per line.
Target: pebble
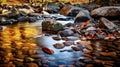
<point x="64" y="38"/>
<point x="59" y="46"/>
<point x="32" y="65"/>
<point x="62" y="66"/>
<point x="56" y="38"/>
<point x="68" y="43"/>
<point x="75" y="48"/>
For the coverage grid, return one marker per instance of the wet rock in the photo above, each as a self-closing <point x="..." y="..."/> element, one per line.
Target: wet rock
<point x="83" y="38"/>
<point x="88" y="55"/>
<point x="72" y="38"/>
<point x="62" y="65"/>
<point x="64" y="38"/>
<point x="45" y="61"/>
<point x="98" y="64"/>
<point x="108" y="53"/>
<point x="45" y="65"/>
<point x="59" y="46"/>
<point x="79" y="64"/>
<point x="104" y="54"/>
<point x="37" y="56"/>
<point x="66" y="32"/>
<point x="32" y="52"/>
<point x="32" y="65"/>
<point x="89" y="65"/>
<point x="38" y="62"/>
<point x="71" y="65"/>
<point x="89" y="47"/>
<point x="85" y="59"/>
<point x="5" y="59"/>
<point x="56" y="38"/>
<point x="66" y="50"/>
<point x="106" y="11"/>
<point x="88" y="61"/>
<point x="104" y="58"/>
<point x="109" y="63"/>
<point x="28" y="59"/>
<point x="75" y="48"/>
<point x="87" y="51"/>
<point x="68" y="43"/>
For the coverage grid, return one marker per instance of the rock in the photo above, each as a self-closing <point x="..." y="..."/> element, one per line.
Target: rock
<point x="79" y="64"/>
<point x="7" y="22"/>
<point x="89" y="47"/>
<point x="10" y="64"/>
<point x="57" y="27"/>
<point x="62" y="65"/>
<point x="110" y="63"/>
<point x="104" y="58"/>
<point x="88" y="61"/>
<point x="85" y="59"/>
<point x="66" y="50"/>
<point x="47" y="25"/>
<point x="59" y="46"/>
<point x="32" y="52"/>
<point x="110" y="12"/>
<point x="37" y="56"/>
<point x="86" y="51"/>
<point x="88" y="55"/>
<point x="22" y="19"/>
<point x="69" y="50"/>
<point x="71" y="65"/>
<point x="104" y="54"/>
<point x="28" y="59"/>
<point x="89" y="65"/>
<point x="105" y="23"/>
<point x="64" y="38"/>
<point x="56" y="38"/>
<point x="72" y="38"/>
<point x="45" y="61"/>
<point x="75" y="48"/>
<point x="108" y="53"/>
<point x="66" y="32"/>
<point x="32" y="65"/>
<point x="32" y="19"/>
<point x="98" y="64"/>
<point x="68" y="43"/>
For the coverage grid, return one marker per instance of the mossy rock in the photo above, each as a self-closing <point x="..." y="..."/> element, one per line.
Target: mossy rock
<point x="57" y="27"/>
<point x="47" y="25"/>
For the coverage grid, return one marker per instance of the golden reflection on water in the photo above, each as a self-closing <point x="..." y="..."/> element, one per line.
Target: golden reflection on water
<point x="21" y="33"/>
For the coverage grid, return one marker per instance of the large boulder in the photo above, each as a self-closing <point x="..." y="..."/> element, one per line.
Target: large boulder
<point x="111" y="12"/>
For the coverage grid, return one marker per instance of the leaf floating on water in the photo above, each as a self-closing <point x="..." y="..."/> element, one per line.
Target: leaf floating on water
<point x="47" y="50"/>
